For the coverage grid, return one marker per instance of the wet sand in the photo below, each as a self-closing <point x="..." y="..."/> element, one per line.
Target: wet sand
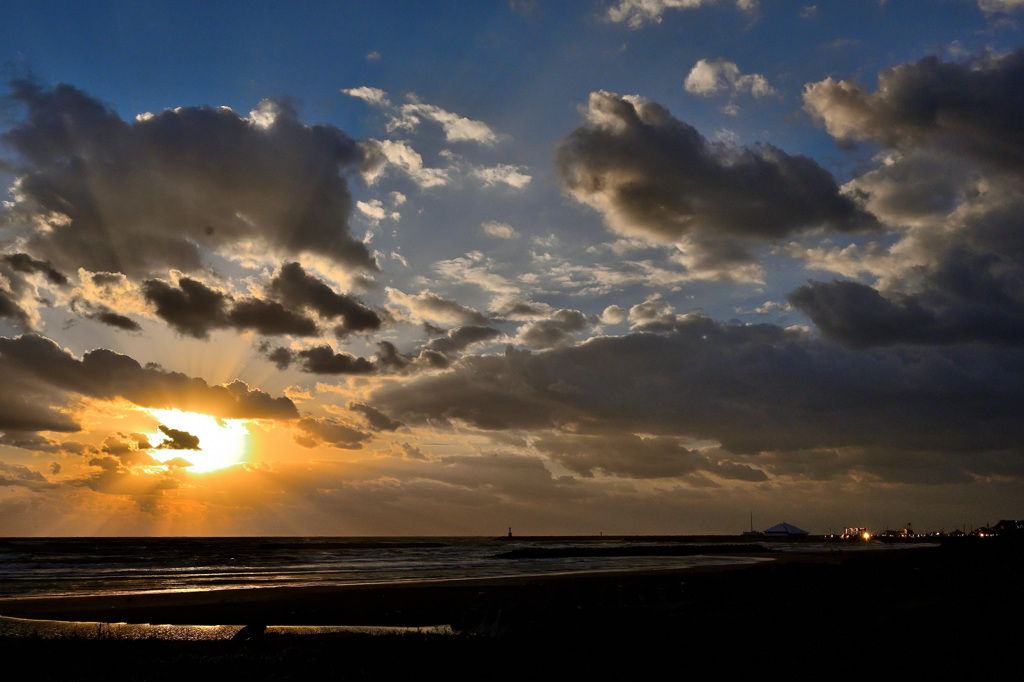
<point x="919" y="608"/>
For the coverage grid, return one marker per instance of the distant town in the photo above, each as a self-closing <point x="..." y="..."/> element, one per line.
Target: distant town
<point x="1006" y="527"/>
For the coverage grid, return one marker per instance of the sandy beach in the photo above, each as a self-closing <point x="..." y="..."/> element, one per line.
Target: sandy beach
<point x="902" y="607"/>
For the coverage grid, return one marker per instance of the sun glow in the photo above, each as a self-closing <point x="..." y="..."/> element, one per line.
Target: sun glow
<point x="222" y="442"/>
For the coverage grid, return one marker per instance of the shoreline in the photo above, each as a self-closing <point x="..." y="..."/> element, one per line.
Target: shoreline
<point x="387" y="604"/>
<point x="937" y="609"/>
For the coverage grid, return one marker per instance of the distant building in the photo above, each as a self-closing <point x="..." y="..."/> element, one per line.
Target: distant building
<point x="784" y="530"/>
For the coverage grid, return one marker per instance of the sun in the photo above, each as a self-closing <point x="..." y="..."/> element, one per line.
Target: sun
<point x="222" y="442"/>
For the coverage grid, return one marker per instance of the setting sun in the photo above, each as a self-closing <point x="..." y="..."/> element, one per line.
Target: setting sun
<point x="222" y="442"/>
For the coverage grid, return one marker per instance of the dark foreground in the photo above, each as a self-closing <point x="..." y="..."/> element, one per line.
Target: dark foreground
<point x="953" y="609"/>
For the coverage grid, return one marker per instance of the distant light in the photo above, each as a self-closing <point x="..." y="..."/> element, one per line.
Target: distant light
<point x="867" y="535"/>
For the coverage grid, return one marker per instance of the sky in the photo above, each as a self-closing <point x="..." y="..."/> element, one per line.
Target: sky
<point x="605" y="266"/>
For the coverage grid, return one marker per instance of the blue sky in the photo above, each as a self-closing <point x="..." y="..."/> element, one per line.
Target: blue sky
<point x="617" y="265"/>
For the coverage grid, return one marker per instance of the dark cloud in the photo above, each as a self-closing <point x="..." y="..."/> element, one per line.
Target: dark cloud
<point x="143" y="196"/>
<point x="116" y="320"/>
<point x="130" y="449"/>
<point x="28" y="404"/>
<point x="389" y="357"/>
<point x="11" y="309"/>
<point x="321" y="360"/>
<point x="103" y="314"/>
<point x="969" y="296"/>
<point x="195" y="309"/>
<point x="378" y="420"/>
<point x="556" y="330"/>
<point x="22" y="262"/>
<point x="269" y="318"/>
<point x="191" y="308"/>
<point x="20" y="475"/>
<point x="330" y="432"/>
<point x="28" y="440"/>
<point x="953" y="182"/>
<point x="293" y="287"/>
<point x="461" y="338"/>
<point x="41" y="372"/>
<point x="755" y="389"/>
<point x="280" y="356"/>
<point x="654" y="176"/>
<point x="624" y="455"/>
<point x="177" y="440"/>
<point x="18" y="295"/>
<point x="971" y="108"/>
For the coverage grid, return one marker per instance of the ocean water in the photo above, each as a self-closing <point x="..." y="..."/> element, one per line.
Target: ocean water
<point x="90" y="566"/>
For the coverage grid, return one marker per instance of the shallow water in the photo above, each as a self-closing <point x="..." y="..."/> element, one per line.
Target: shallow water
<point x="89" y="566"/>
<point x="52" y="629"/>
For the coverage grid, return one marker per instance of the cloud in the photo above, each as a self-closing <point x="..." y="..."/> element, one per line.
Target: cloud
<point x="476" y="268"/>
<point x="613" y="314"/>
<point x="177" y="440"/>
<point x="375" y="211"/>
<point x="967" y="296"/>
<point x="999" y="6"/>
<point x="653" y="176"/>
<point x="500" y="230"/>
<point x="557" y="330"/>
<point x="195" y="309"/>
<point x="98" y="192"/>
<point x="407" y="117"/>
<point x="754" y="389"/>
<point x="374" y="96"/>
<point x="398" y="154"/>
<point x="639" y="12"/>
<point x="320" y="360"/>
<point x="429" y="307"/>
<point x="722" y="76"/>
<point x="293" y="287"/>
<point x="461" y="338"/>
<point x="39" y="371"/>
<point x="377" y="420"/>
<point x="316" y="431"/>
<point x="506" y="174"/>
<point x="18" y="293"/>
<point x="21" y="475"/>
<point x="970" y="108"/>
<point x="130" y="449"/>
<point x="951" y="178"/>
<point x="114" y="319"/>
<point x="631" y="456"/>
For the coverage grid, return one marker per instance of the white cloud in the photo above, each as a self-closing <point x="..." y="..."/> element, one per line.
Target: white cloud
<point x="613" y="314"/>
<point x="994" y="6"/>
<point x="503" y="173"/>
<point x="375" y="211"/>
<point x="714" y="77"/>
<point x="638" y="12"/>
<point x="429" y="307"/>
<point x="409" y="116"/>
<point x="475" y="268"/>
<point x="374" y="96"/>
<point x="401" y="155"/>
<point x="500" y="230"/>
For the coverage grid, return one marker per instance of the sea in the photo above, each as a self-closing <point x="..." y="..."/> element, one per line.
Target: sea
<point x="47" y="567"/>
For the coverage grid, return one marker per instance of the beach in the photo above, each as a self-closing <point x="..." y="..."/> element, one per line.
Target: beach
<point x="938" y="608"/>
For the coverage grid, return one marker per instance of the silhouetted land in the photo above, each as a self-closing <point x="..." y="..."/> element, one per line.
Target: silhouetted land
<point x="951" y="609"/>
